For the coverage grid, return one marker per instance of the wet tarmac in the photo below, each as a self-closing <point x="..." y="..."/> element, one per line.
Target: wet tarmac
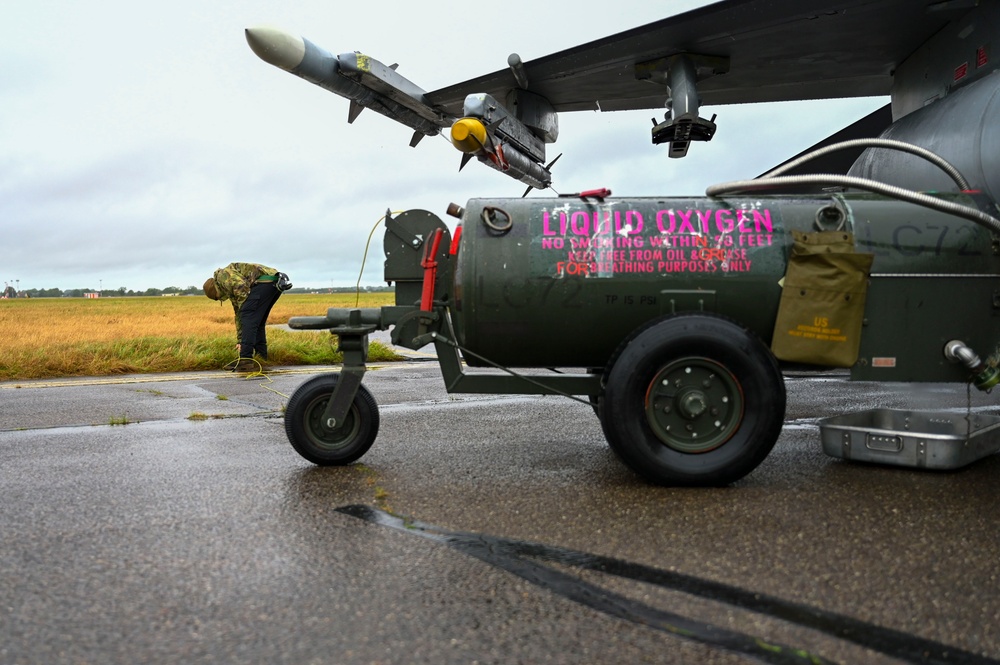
<point x="166" y="519"/>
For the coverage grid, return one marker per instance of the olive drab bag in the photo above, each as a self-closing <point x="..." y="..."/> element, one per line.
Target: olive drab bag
<point x="822" y="303"/>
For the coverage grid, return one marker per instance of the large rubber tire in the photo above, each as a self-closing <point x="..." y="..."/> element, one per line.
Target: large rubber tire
<point x="306" y="427"/>
<point x="693" y="399"/>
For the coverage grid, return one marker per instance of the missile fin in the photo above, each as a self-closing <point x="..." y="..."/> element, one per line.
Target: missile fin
<point x="354" y="111"/>
<point x="415" y="139"/>
<point x="465" y="160"/>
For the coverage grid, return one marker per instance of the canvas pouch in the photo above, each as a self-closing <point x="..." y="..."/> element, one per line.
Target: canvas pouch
<point x="822" y="303"/>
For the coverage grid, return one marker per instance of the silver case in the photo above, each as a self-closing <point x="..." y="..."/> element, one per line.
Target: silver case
<point x="917" y="439"/>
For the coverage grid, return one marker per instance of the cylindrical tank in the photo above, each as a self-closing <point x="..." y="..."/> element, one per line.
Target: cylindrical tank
<point x="971" y="145"/>
<point x="562" y="282"/>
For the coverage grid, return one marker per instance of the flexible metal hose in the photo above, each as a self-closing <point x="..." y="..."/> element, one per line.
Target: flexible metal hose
<point x="891" y="144"/>
<point x="773" y="178"/>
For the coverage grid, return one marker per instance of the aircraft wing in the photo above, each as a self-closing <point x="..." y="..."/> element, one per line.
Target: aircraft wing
<point x="729" y="52"/>
<point x="778" y="50"/>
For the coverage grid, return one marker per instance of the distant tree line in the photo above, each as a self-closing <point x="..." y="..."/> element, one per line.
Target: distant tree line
<point x="122" y="292"/>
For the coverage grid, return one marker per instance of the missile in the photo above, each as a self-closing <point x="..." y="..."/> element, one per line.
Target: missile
<point x="498" y="139"/>
<point x="476" y="139"/>
<point x="488" y="131"/>
<point x="366" y="82"/>
<point x="504" y="124"/>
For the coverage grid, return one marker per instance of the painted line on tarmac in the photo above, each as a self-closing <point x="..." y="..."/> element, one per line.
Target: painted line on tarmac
<point x="526" y="560"/>
<point x="181" y="376"/>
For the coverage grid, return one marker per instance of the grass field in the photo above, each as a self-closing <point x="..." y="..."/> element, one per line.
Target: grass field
<point x="59" y="337"/>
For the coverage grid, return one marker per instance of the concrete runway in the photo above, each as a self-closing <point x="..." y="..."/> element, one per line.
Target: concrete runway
<point x="166" y="519"/>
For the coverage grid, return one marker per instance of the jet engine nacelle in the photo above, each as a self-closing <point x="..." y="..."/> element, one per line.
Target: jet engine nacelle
<point x="971" y="145"/>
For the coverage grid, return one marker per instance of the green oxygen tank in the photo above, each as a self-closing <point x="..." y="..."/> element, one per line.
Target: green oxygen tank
<point x="562" y="282"/>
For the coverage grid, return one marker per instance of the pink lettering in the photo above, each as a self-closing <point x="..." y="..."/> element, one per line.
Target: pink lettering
<point x="660" y="215"/>
<point x="686" y="226"/>
<point x="547" y="227"/>
<point x="724" y="221"/>
<point x="764" y="219"/>
<point x="603" y="226"/>
<point x="704" y="216"/>
<point x="637" y="216"/>
<point x="741" y="219"/>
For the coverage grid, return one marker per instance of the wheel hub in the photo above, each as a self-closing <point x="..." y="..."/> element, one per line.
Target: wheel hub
<point x="319" y="428"/>
<point x="694" y="405"/>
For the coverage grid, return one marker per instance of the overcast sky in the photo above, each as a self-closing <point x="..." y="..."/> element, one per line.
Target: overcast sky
<point x="144" y="144"/>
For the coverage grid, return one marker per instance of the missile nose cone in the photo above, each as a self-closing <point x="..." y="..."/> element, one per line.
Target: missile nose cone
<point x="468" y="135"/>
<point x="276" y="47"/>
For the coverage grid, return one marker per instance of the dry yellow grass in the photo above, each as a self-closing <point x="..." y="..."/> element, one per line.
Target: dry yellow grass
<point x="54" y="337"/>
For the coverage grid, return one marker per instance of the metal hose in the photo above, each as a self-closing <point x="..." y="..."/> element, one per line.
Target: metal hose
<point x="972" y="214"/>
<point x="891" y="144"/>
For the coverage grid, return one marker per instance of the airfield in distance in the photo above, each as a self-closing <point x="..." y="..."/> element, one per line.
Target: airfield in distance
<point x="474" y="530"/>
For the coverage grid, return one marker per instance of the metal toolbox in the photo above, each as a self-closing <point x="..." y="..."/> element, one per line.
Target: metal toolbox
<point x="919" y="439"/>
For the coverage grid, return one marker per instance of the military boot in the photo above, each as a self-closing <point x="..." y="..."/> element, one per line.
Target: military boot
<point x="246" y="365"/>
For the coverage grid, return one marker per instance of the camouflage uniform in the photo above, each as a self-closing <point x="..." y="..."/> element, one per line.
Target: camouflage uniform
<point x="251" y="306"/>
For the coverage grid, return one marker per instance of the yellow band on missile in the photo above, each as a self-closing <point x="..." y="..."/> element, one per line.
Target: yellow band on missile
<point x="468" y="134"/>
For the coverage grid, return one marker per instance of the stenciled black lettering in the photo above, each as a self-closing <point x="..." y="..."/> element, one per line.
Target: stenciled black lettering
<point x="897" y="241"/>
<point x="971" y="240"/>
